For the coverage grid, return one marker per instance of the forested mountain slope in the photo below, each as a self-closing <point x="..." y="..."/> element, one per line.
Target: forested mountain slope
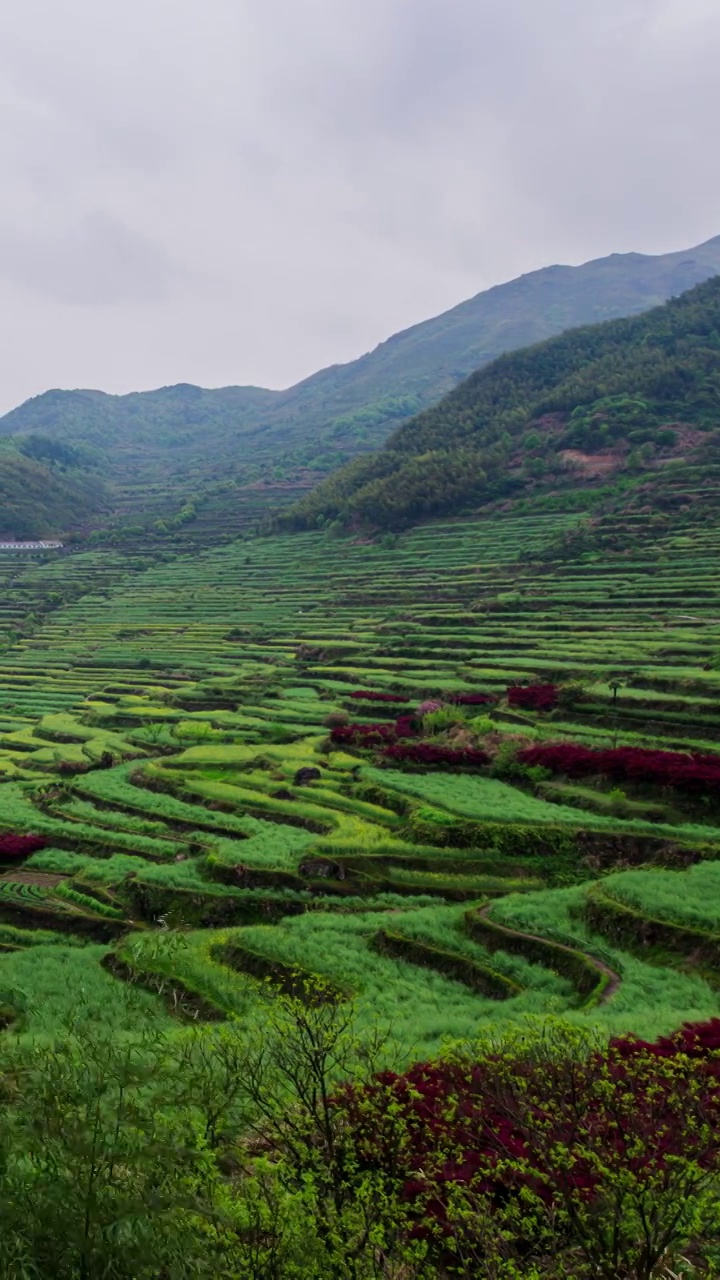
<point x="192" y="438"/>
<point x="46" y="489"/>
<point x="610" y="400"/>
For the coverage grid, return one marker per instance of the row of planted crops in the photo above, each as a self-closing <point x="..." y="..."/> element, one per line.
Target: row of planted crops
<point x="461" y="778"/>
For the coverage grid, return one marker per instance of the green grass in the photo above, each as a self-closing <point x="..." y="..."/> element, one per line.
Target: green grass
<point x="105" y="870"/>
<point x="420" y="1007"/>
<point x="690" y="898"/>
<point x="61" y="985"/>
<point x="486" y="799"/>
<point x="146" y="670"/>
<point x="651" y="1001"/>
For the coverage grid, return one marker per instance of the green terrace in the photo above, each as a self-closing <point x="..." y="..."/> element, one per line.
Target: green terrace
<point x="166" y="730"/>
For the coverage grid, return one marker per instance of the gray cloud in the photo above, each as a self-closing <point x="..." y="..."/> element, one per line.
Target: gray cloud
<point x="246" y="190"/>
<point x="97" y="261"/>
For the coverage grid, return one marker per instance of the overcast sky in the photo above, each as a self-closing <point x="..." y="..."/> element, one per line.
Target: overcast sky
<point x="244" y="191"/>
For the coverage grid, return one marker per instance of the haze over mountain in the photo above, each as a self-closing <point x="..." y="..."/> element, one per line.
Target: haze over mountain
<point x="162" y="446"/>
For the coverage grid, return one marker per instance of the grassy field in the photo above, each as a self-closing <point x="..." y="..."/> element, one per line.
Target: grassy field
<point x="153" y="725"/>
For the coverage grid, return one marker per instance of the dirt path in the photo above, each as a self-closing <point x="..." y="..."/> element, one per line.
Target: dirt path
<point x="614" y="978"/>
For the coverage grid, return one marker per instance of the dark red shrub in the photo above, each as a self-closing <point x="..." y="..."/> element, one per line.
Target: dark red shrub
<point x="405" y="727"/>
<point x="373" y="695"/>
<point x="569" y="1129"/>
<point x="533" y="697"/>
<point x="12" y="846"/>
<point x="694" y="773"/>
<point x="373" y="735"/>
<point x="429" y="753"/>
<point x="363" y="735"/>
<point x="472" y="699"/>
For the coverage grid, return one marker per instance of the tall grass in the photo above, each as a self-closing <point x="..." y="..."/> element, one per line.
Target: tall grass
<point x="690" y="897"/>
<point x="421" y="1006"/>
<point x="60" y="985"/>
<point x="650" y="1000"/>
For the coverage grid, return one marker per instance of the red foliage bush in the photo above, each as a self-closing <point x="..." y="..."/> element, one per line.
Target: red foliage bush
<point x="695" y="773"/>
<point x="429" y="753"/>
<point x="373" y="695"/>
<point x="472" y="699"/>
<point x="405" y="727"/>
<point x="565" y="1129"/>
<point x="393" y="738"/>
<point x="363" y="735"/>
<point x="12" y="846"/>
<point x="374" y="735"/>
<point x="533" y="697"/>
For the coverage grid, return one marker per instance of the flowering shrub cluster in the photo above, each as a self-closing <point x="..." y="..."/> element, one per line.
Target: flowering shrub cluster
<point x="374" y="735"/>
<point x="373" y="695"/>
<point x="20" y="846"/>
<point x="696" y="773"/>
<point x="429" y="706"/>
<point x="533" y="697"/>
<point x="604" y="1146"/>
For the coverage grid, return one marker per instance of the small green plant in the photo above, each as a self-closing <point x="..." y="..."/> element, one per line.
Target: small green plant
<point x="505" y="762"/>
<point x="537" y="774"/>
<point x="482" y="725"/>
<point x="446" y="717"/>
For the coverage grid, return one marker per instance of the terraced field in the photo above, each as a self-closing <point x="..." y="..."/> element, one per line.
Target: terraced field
<point x="176" y="736"/>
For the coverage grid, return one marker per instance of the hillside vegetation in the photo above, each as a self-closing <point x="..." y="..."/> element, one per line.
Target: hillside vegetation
<point x="385" y="785"/>
<point x="622" y="393"/>
<point x="354" y="891"/>
<point x="241" y="451"/>
<point x="302" y="791"/>
<point x="45" y="490"/>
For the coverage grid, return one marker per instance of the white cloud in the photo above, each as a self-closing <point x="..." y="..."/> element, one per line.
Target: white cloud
<point x="245" y="190"/>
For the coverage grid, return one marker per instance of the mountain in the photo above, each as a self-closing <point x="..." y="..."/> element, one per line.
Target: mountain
<point x="162" y="448"/>
<point x="601" y="403"/>
<point x="430" y="358"/>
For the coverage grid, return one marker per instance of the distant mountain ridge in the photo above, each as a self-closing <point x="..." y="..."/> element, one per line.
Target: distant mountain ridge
<point x="614" y="399"/>
<point x="186" y="439"/>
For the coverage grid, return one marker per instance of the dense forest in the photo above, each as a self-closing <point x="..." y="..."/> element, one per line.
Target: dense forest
<point x="627" y="389"/>
<point x="46" y="488"/>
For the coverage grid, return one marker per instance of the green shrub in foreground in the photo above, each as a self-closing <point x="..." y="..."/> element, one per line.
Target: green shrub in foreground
<point x="227" y="1155"/>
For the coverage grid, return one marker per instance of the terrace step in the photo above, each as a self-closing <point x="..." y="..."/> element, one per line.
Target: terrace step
<point x="594" y="981"/>
<point x="639" y="932"/>
<point x="472" y="973"/>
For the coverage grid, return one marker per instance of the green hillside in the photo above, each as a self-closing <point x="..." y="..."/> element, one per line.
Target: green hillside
<point x="605" y="403"/>
<point x="45" y="489"/>
<point x="298" y="808"/>
<point x="245" y="449"/>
